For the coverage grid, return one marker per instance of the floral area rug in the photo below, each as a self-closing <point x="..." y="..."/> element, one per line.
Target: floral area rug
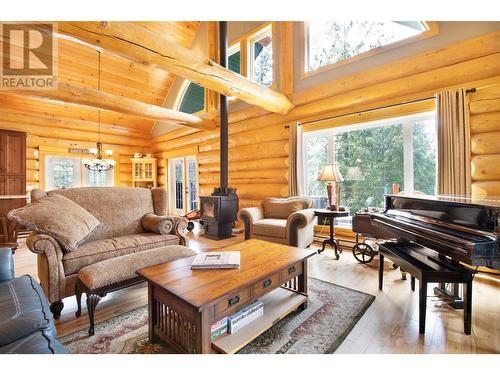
<point x="332" y="312"/>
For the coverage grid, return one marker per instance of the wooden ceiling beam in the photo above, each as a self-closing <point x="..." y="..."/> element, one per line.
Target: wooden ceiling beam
<point x="98" y="99"/>
<point x="139" y="45"/>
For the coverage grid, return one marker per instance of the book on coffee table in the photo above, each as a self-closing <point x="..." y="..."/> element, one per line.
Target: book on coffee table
<point x="223" y="259"/>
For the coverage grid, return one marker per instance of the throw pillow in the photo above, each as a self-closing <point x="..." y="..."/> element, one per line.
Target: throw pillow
<point x="59" y="217"/>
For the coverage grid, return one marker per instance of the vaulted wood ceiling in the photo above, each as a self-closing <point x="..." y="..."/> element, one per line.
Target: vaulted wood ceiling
<point x="78" y="65"/>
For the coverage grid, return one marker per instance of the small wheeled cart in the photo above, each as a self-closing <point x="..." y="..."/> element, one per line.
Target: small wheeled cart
<point x="362" y="225"/>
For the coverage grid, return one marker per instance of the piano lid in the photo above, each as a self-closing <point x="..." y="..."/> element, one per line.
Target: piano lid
<point x="493" y="202"/>
<point x="479" y="214"/>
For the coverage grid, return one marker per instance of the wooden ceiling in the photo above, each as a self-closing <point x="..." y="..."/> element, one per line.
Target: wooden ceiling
<point x="78" y="65"/>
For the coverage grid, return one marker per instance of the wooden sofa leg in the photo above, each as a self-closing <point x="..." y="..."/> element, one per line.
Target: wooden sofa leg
<point x="92" y="301"/>
<point x="56" y="308"/>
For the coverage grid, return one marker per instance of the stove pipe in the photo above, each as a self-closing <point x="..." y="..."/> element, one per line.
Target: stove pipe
<point x="223" y="113"/>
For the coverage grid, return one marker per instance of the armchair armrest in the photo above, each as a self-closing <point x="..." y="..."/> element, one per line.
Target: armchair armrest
<point x="301" y="219"/>
<point x="6" y="265"/>
<point x="166" y="225"/>
<point x="50" y="266"/>
<point x="250" y="216"/>
<point x="299" y="227"/>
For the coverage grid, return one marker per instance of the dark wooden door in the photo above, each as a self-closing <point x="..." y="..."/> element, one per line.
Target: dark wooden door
<point x="13" y="162"/>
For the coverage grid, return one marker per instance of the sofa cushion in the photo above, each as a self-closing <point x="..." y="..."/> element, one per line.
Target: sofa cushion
<point x="281" y="208"/>
<point x="59" y="217"/>
<point x="120" y="209"/>
<point x="23" y="310"/>
<point x="115" y="270"/>
<point x="270" y="227"/>
<point x="99" y="250"/>
<point x="38" y="342"/>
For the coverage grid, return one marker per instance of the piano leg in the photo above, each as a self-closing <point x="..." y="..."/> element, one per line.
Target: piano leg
<point x="380" y="271"/>
<point x="468" y="307"/>
<point x="422" y="306"/>
<point x="412" y="284"/>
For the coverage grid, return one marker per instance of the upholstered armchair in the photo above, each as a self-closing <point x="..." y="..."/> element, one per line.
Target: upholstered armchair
<point x="132" y="220"/>
<point x="284" y="220"/>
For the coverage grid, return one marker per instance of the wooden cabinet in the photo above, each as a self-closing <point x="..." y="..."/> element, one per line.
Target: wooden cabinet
<point x="144" y="172"/>
<point x="12" y="181"/>
<point x="12" y="163"/>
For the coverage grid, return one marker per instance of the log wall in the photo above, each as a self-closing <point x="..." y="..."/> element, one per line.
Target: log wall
<point x="258" y="159"/>
<point x="66" y="132"/>
<point x="258" y="141"/>
<point x="484" y="108"/>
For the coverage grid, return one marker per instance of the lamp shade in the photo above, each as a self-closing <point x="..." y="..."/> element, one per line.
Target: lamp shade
<point x="330" y="172"/>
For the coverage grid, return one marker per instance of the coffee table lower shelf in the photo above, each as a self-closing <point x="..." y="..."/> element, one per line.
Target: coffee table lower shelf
<point x="277" y="304"/>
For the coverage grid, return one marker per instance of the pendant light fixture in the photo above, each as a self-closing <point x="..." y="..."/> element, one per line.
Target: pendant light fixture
<point x="97" y="163"/>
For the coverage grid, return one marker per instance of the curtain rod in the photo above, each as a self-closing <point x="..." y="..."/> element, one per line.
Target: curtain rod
<point x="368" y="110"/>
<point x="468" y="91"/>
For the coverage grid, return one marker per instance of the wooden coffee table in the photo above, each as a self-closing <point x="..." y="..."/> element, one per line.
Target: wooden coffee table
<point x="183" y="303"/>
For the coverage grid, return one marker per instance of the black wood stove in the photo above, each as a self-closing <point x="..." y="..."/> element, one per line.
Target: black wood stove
<point x="219" y="210"/>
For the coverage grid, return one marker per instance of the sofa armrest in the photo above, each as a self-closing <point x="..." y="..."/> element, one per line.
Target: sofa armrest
<point x="6" y="265"/>
<point x="165" y="225"/>
<point x="50" y="266"/>
<point x="298" y="224"/>
<point x="250" y="216"/>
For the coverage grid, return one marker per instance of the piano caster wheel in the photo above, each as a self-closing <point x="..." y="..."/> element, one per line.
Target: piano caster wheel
<point x="363" y="253"/>
<point x="395" y="266"/>
<point x="403" y="275"/>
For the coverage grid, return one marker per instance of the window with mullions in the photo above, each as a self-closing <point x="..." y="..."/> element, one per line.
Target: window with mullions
<point x="193" y="99"/>
<point x="329" y="42"/>
<point x="372" y="157"/>
<point x="262" y="58"/>
<point x="64" y="172"/>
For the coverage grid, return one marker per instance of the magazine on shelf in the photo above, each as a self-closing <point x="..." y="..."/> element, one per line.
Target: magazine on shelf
<point x="212" y="259"/>
<point x="245" y="316"/>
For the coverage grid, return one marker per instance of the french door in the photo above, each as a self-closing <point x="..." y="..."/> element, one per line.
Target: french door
<point x="183" y="185"/>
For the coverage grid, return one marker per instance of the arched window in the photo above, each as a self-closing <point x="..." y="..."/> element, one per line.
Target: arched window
<point x="193" y="99"/>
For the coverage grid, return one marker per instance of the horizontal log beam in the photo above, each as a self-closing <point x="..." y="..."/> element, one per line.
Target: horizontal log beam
<point x="138" y="44"/>
<point x="486" y="189"/>
<point x="53" y="120"/>
<point x="77" y="135"/>
<point x="485" y="167"/>
<point x="485" y="122"/>
<point x="248" y="165"/>
<point x="99" y="99"/>
<point x="485" y="143"/>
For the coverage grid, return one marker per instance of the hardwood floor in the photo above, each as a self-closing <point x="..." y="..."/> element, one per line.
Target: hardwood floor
<point x="389" y="326"/>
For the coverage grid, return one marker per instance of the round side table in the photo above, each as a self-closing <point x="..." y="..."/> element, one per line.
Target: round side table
<point x="332" y="241"/>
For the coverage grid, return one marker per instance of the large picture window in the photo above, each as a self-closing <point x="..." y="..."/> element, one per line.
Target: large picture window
<point x="372" y="157"/>
<point x="331" y="42"/>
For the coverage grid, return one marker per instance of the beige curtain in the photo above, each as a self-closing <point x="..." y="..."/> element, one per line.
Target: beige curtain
<point x="453" y="143"/>
<point x="295" y="162"/>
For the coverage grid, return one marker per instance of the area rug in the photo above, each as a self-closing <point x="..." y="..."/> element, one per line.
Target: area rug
<point x="332" y="313"/>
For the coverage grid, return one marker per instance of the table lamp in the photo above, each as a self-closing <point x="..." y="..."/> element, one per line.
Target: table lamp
<point x="331" y="174"/>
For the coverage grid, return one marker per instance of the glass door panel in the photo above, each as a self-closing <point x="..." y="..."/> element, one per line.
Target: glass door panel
<point x="192" y="184"/>
<point x="183" y="185"/>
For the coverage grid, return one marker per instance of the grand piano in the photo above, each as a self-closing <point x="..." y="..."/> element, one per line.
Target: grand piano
<point x="433" y="236"/>
<point x="463" y="229"/>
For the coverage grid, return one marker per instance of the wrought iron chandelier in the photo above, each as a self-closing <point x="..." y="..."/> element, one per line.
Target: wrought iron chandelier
<point x="97" y="163"/>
